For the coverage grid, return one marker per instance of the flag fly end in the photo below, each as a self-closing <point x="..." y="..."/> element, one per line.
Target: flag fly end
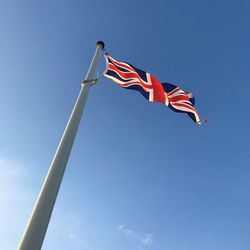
<point x="203" y="122"/>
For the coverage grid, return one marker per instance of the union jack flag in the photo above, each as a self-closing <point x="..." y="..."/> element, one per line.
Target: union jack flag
<point x="129" y="77"/>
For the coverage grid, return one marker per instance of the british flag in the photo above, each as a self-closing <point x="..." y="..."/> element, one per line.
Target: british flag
<point x="127" y="76"/>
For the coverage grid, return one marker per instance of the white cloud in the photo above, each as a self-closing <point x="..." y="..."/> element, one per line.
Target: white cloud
<point x="145" y="239"/>
<point x="15" y="197"/>
<point x="67" y="231"/>
<point x="12" y="189"/>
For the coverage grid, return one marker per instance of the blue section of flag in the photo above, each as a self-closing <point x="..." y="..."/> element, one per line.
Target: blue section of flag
<point x="140" y="89"/>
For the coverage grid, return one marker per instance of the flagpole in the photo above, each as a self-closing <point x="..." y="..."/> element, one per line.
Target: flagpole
<point x="37" y="226"/>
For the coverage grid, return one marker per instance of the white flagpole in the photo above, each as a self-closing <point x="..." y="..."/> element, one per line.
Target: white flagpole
<point x="36" y="228"/>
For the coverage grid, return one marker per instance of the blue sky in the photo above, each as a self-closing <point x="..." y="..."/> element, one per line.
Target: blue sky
<point x="139" y="176"/>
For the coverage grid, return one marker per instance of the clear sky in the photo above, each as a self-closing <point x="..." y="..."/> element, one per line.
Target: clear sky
<point x="139" y="176"/>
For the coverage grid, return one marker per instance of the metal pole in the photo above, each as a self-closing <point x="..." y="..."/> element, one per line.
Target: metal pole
<point x="36" y="228"/>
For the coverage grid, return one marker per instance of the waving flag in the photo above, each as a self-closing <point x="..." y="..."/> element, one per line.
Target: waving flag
<point x="127" y="76"/>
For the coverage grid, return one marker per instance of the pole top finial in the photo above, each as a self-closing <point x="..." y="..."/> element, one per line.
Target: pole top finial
<point x="101" y="44"/>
